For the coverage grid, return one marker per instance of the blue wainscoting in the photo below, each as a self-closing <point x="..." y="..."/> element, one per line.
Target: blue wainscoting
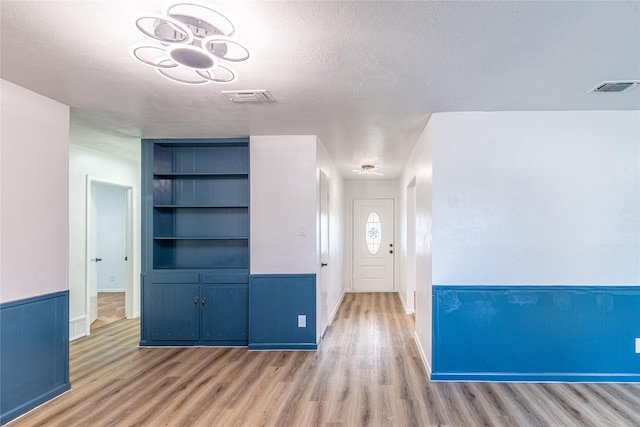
<point x="34" y="352"/>
<point x="275" y="302"/>
<point x="536" y="333"/>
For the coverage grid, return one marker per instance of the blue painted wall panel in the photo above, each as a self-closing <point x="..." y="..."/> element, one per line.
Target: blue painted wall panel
<point x="520" y="330"/>
<point x="11" y="350"/>
<point x="555" y="333"/>
<point x="275" y="301"/>
<point x="34" y="352"/>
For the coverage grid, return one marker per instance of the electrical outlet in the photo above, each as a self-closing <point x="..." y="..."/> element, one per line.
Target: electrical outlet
<point x="302" y="321"/>
<point x="637" y="345"/>
<point x="302" y="230"/>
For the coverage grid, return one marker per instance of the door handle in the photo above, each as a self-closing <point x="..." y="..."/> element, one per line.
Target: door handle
<point x="96" y="259"/>
<point x="323" y="264"/>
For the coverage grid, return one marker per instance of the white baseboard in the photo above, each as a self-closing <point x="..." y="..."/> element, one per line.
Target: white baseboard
<point x="368" y="291"/>
<point x="112" y="290"/>
<point x="335" y="309"/>
<point x="423" y="356"/>
<point x="77" y="328"/>
<point x="404" y="304"/>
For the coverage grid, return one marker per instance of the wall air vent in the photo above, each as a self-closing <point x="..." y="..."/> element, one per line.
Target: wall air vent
<point x="619" y="86"/>
<point x="248" y="95"/>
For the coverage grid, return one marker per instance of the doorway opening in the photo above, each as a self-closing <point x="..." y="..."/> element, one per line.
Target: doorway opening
<point x="109" y="246"/>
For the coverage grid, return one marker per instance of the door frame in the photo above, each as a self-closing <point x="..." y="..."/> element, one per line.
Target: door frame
<point x="411" y="259"/>
<point x="353" y="240"/>
<point x="89" y="231"/>
<point x="324" y="250"/>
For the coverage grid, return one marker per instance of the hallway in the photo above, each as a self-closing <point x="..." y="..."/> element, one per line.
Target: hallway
<point x="110" y="309"/>
<point x="367" y="372"/>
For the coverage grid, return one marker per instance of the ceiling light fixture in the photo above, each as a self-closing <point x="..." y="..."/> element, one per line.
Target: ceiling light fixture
<point x="193" y="41"/>
<point x="368" y="170"/>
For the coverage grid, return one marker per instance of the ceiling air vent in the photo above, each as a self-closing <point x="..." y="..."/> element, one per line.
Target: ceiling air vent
<point x="621" y="86"/>
<point x="248" y="95"/>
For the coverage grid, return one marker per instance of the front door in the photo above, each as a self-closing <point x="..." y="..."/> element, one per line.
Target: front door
<point x="373" y="245"/>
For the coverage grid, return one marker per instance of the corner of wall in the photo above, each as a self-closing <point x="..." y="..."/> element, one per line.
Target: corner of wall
<point x="423" y="355"/>
<point x="419" y="167"/>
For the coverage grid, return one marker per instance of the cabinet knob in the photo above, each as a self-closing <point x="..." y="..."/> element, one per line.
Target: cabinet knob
<point x="204" y="301"/>
<point x="195" y="301"/>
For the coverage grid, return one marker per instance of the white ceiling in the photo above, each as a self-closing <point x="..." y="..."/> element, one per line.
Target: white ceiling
<point x="363" y="76"/>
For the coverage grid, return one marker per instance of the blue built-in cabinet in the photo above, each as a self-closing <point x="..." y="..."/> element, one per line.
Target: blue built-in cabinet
<point x="536" y="333"/>
<point x="195" y="272"/>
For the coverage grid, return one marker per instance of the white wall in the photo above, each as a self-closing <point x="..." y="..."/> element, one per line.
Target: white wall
<point x="419" y="168"/>
<point x="105" y="168"/>
<point x="536" y="198"/>
<point x="283" y="204"/>
<point x="365" y="189"/>
<point x="34" y="235"/>
<point x="524" y="198"/>
<point x="336" y="233"/>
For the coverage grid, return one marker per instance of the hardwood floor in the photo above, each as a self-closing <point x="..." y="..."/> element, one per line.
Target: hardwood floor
<point x="110" y="309"/>
<point x="366" y="373"/>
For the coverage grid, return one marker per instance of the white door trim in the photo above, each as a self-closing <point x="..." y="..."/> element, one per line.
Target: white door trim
<point x="409" y="298"/>
<point x="90" y="180"/>
<point x="324" y="251"/>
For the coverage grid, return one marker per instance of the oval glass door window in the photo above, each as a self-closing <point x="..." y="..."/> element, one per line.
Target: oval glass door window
<point x="373" y="233"/>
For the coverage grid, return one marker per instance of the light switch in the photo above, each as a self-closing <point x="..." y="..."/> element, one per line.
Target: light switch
<point x="302" y="230"/>
<point x="637" y="345"/>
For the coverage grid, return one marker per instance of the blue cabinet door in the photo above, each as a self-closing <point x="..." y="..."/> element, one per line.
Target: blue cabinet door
<point x="173" y="312"/>
<point x="225" y="313"/>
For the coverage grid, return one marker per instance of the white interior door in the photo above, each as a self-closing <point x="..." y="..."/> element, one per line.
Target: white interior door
<point x="324" y="252"/>
<point x="373" y="245"/>
<point x="92" y="255"/>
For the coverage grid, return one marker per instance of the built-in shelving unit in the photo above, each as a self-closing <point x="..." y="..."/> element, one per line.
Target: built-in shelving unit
<point x="196" y="239"/>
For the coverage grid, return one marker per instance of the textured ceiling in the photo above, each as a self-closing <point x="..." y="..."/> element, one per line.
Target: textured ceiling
<point x="363" y="76"/>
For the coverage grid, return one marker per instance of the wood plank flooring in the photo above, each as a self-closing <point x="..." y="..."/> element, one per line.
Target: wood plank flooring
<point x="366" y="373"/>
<point x="110" y="309"/>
